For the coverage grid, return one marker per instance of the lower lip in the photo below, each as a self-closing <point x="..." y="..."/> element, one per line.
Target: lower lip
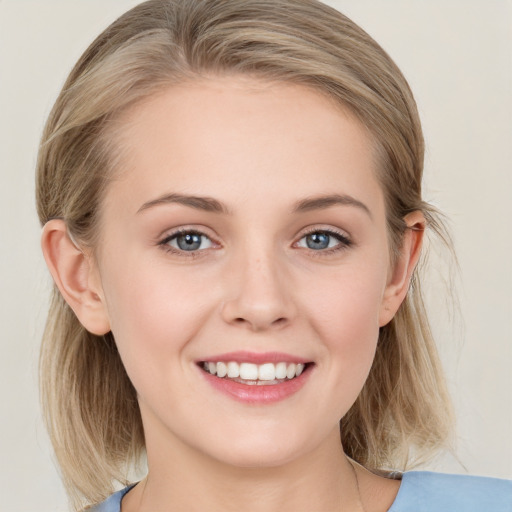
<point x="258" y="394"/>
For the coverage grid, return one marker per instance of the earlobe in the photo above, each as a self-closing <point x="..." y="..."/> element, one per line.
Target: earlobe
<point x="400" y="278"/>
<point x="72" y="272"/>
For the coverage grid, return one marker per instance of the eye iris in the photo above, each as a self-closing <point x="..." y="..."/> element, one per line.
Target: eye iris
<point x="189" y="241"/>
<point x="318" y="241"/>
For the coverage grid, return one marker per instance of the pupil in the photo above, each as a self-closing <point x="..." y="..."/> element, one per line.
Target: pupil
<point x="189" y="242"/>
<point x="317" y="241"/>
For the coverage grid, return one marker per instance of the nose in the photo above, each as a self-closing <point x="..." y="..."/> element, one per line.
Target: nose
<point x="259" y="295"/>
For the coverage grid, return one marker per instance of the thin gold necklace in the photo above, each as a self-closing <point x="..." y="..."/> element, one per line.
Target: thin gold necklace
<point x="361" y="504"/>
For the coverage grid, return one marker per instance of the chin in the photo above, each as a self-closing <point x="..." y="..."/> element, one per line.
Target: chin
<point x="259" y="457"/>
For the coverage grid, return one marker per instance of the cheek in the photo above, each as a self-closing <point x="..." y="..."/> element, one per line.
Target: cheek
<point x="153" y="313"/>
<point x="345" y="316"/>
<point x="350" y="302"/>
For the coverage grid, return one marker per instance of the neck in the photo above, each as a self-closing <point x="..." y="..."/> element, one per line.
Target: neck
<point x="181" y="478"/>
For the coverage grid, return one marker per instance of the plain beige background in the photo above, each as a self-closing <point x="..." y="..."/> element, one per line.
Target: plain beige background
<point x="457" y="55"/>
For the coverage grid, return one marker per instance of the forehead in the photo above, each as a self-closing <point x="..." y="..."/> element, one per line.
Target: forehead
<point x="240" y="138"/>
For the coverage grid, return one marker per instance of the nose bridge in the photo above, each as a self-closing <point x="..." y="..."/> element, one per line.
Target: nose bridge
<point x="258" y="297"/>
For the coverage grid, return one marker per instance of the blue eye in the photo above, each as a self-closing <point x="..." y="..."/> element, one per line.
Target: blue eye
<point x="188" y="241"/>
<point x="321" y="240"/>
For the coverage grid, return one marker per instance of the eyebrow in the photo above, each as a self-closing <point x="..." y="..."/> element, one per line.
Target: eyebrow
<point x="207" y="204"/>
<point x="323" y="202"/>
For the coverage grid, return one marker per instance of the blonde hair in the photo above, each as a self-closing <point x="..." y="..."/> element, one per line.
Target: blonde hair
<point x="89" y="404"/>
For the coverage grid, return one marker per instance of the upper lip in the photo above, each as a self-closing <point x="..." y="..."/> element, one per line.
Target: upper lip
<point x="242" y="356"/>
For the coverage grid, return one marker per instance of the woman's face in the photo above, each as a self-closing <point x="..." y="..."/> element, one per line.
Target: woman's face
<point x="246" y="227"/>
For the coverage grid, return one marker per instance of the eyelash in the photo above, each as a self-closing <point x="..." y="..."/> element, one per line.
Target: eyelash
<point x="344" y="242"/>
<point x="343" y="239"/>
<point x="184" y="231"/>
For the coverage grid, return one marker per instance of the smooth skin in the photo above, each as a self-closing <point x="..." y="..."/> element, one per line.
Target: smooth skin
<point x="258" y="176"/>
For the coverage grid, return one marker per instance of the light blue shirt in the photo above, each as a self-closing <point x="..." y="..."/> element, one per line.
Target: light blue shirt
<point x="420" y="491"/>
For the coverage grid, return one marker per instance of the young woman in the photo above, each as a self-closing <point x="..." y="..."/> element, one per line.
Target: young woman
<point x="231" y="200"/>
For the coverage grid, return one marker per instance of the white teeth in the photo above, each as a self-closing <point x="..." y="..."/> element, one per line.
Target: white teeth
<point x="254" y="372"/>
<point x="267" y="371"/>
<point x="222" y="369"/>
<point x="249" y="371"/>
<point x="281" y="371"/>
<point x="233" y="370"/>
<point x="290" y="372"/>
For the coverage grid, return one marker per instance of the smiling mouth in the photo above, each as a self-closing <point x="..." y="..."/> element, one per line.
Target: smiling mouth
<point x="251" y="374"/>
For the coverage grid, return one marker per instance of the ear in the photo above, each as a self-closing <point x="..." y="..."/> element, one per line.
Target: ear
<point x="75" y="276"/>
<point x="400" y="276"/>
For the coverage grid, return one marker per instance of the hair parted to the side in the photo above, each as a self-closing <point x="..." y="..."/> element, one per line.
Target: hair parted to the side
<point x="89" y="403"/>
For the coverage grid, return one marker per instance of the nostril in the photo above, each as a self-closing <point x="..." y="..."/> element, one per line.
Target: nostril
<point x="278" y="322"/>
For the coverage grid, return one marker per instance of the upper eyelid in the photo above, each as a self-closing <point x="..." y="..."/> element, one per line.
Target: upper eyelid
<point x="169" y="234"/>
<point x="328" y="230"/>
<point x="164" y="243"/>
<point x="343" y="238"/>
